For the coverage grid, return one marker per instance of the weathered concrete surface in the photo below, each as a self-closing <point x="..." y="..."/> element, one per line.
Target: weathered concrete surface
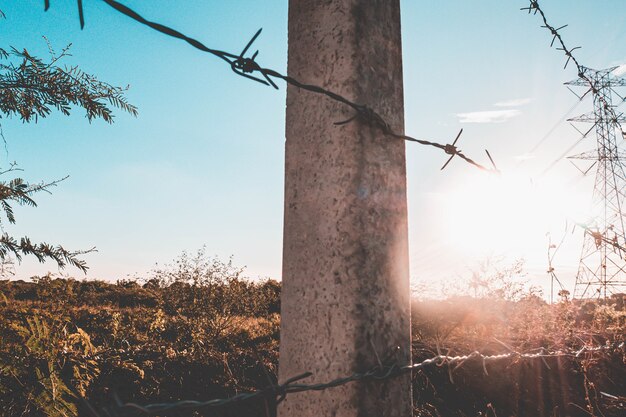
<point x="345" y="293"/>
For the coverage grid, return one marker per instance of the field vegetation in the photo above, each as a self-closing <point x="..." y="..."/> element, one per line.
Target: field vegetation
<point x="198" y="329"/>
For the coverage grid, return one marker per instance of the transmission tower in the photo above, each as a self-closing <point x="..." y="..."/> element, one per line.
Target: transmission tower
<point x="602" y="267"/>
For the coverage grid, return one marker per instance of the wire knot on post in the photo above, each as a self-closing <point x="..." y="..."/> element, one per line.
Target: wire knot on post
<point x="376" y="119"/>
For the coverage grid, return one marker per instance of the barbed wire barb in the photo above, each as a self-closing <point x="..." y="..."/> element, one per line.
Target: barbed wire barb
<point x="581" y="70"/>
<point x="451" y="150"/>
<point x="278" y="392"/>
<point x="247" y="66"/>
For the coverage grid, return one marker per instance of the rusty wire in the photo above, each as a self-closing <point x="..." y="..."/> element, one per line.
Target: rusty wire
<point x="248" y="67"/>
<point x="279" y="392"/>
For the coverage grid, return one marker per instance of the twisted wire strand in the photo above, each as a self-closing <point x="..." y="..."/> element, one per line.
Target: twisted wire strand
<point x="293" y="385"/>
<point x="248" y="67"/>
<point x="535" y="8"/>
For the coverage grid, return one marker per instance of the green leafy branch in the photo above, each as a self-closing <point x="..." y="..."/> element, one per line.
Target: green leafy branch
<point x="42" y="251"/>
<point x="31" y="88"/>
<point x="20" y="192"/>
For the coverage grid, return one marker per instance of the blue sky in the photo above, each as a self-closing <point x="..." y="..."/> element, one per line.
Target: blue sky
<point x="202" y="164"/>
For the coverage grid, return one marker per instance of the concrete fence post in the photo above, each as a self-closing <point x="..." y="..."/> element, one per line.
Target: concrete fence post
<point x="345" y="299"/>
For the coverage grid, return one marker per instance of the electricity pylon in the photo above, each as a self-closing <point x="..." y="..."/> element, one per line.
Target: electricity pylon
<point x="602" y="267"/>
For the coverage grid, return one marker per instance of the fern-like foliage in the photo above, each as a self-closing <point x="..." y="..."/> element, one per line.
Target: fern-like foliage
<point x="49" y="367"/>
<point x="31" y="88"/>
<point x="19" y="191"/>
<point x="41" y="251"/>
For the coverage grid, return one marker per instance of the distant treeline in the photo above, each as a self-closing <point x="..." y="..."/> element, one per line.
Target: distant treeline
<point x="261" y="297"/>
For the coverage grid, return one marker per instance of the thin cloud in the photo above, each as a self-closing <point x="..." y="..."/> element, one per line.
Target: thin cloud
<point x="619" y="71"/>
<point x="513" y="103"/>
<point x="492" y="116"/>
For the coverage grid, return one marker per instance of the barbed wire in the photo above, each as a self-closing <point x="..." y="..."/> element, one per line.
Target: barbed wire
<point x="535" y="8"/>
<point x="277" y="393"/>
<point x="248" y="67"/>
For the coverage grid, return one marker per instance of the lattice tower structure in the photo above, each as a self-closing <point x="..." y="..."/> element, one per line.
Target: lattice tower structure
<point x="602" y="266"/>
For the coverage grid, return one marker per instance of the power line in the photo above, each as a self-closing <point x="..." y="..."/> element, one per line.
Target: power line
<point x="553" y="128"/>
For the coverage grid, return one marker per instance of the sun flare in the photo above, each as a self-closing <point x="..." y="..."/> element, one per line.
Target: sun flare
<point x="507" y="212"/>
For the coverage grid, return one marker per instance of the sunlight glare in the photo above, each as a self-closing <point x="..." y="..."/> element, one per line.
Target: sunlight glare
<point x="508" y="213"/>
